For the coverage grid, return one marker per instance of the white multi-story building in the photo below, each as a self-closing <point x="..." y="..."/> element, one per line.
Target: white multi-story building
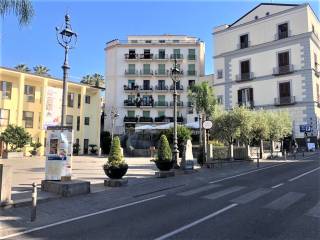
<point x="268" y="59"/>
<point x="138" y="82"/>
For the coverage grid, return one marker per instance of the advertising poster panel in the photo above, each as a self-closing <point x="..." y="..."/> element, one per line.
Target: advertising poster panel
<point x="58" y="152"/>
<point x="52" y="116"/>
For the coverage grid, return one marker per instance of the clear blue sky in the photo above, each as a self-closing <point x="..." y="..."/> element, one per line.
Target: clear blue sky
<point x="98" y="22"/>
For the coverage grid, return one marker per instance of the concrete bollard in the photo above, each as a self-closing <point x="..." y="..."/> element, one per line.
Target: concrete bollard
<point x="34" y="203"/>
<point x="5" y="184"/>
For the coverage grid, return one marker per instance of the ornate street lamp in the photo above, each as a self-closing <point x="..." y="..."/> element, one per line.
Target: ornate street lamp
<point x="175" y="76"/>
<point x="114" y="116"/>
<point x="67" y="39"/>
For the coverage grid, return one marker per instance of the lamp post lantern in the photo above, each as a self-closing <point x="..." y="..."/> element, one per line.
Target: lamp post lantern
<point x="175" y="76"/>
<point x="114" y="116"/>
<point x="67" y="39"/>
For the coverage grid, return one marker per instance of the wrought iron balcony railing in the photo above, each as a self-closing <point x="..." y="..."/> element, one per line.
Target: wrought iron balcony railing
<point x="245" y="76"/>
<point x="281" y="70"/>
<point x="285" y="101"/>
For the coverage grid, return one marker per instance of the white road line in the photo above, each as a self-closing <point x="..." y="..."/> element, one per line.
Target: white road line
<point x="17" y="192"/>
<point x="170" y="234"/>
<point x="242" y="174"/>
<point x="80" y="217"/>
<point x="301" y="175"/>
<point x="278" y="185"/>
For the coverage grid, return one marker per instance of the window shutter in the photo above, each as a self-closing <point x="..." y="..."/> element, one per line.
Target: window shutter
<point x="240" y="97"/>
<point x="251" y="94"/>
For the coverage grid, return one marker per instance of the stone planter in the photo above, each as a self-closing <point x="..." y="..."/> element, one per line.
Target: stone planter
<point x="116" y="172"/>
<point x="164" y="165"/>
<point x="8" y="155"/>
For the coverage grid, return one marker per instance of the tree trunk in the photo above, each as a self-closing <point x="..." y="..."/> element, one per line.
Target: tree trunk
<point x="231" y="150"/>
<point x="271" y="148"/>
<point x="261" y="148"/>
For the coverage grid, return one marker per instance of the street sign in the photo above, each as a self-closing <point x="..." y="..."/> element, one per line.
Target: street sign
<point x="207" y="124"/>
<point x="305" y="128"/>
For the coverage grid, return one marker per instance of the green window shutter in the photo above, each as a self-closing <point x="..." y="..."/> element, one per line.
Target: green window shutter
<point x="162" y="68"/>
<point x="146" y="113"/>
<point x="161" y="114"/>
<point x="146" y="68"/>
<point x="161" y="98"/>
<point x="131" y="113"/>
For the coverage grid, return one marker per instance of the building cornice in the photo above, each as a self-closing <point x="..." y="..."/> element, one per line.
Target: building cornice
<point x="267" y="44"/>
<point x="154" y="45"/>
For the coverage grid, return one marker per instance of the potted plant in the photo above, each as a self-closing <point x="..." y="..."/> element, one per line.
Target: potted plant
<point x="94" y="149"/>
<point x="35" y="146"/>
<point x="164" y="158"/>
<point x="116" y="167"/>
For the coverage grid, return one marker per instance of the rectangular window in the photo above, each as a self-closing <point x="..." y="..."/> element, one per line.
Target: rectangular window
<point x="161" y="69"/>
<point x="283" y="31"/>
<point x="79" y="100"/>
<point x="131" y="68"/>
<point x="29" y="93"/>
<point x="283" y="59"/>
<point x="245" y="67"/>
<point x="131" y="113"/>
<point x="69" y="120"/>
<point x="191" y="83"/>
<point x="5" y="88"/>
<point x="4" y="117"/>
<point x="146" y="85"/>
<point x="220" y="99"/>
<point x="148" y="41"/>
<point x="244" y="41"/>
<point x="161" y="98"/>
<point x="162" y="41"/>
<point x="176" y="53"/>
<point x="131" y="84"/>
<point x="146" y="113"/>
<point x="284" y="90"/>
<point x="161" y="114"/>
<point x="219" y="74"/>
<point x="131" y="98"/>
<point x="191" y="54"/>
<point x="161" y="84"/>
<point x="146" y="69"/>
<point x="176" y="41"/>
<point x="86" y="120"/>
<point x="87" y="99"/>
<point x="70" y="99"/>
<point x="78" y="123"/>
<point x="146" y="54"/>
<point x="132" y="53"/>
<point x="162" y="54"/>
<point x="28" y="119"/>
<point x="245" y="97"/>
<point x="191" y="69"/>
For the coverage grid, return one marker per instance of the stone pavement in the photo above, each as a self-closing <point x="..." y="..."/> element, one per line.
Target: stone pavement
<point x="18" y="219"/>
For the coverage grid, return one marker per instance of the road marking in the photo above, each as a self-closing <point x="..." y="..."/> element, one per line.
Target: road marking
<point x="250" y="196"/>
<point x="315" y="211"/>
<point x="276" y="186"/>
<point x="80" y="217"/>
<point x="285" y="201"/>
<point x="242" y="174"/>
<point x="301" y="175"/>
<point x="198" y="190"/>
<point x="222" y="193"/>
<point x="17" y="192"/>
<point x="170" y="234"/>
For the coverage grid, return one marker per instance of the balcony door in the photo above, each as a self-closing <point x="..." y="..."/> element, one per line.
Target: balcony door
<point x="244" y="41"/>
<point x="283" y="59"/>
<point x="284" y="92"/>
<point x="245" y="97"/>
<point x="146" y="84"/>
<point x="132" y="53"/>
<point x="161" y="84"/>
<point x="283" y="31"/>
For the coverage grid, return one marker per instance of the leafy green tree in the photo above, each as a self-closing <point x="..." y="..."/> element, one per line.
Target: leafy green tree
<point x="22" y="68"/>
<point x="41" y="70"/>
<point x="164" y="150"/>
<point x="115" y="158"/>
<point x="16" y="137"/>
<point x="261" y="128"/>
<point x="23" y="9"/>
<point x="183" y="134"/>
<point x="244" y="117"/>
<point x="95" y="79"/>
<point x="87" y="79"/>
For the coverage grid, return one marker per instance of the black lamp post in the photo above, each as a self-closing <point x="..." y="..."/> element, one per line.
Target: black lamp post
<point x="175" y="76"/>
<point x="67" y="39"/>
<point x="114" y="116"/>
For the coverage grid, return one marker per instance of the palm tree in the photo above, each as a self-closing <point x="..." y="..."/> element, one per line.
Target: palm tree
<point x="23" y="9"/>
<point x="41" y="70"/>
<point x="98" y="80"/>
<point x="87" y="79"/>
<point x="22" y="67"/>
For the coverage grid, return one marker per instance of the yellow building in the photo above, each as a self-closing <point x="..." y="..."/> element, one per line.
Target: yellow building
<point x="34" y="102"/>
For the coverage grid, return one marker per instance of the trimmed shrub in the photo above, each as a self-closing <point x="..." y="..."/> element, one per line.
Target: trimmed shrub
<point x="115" y="158"/>
<point x="164" y="150"/>
<point x="105" y="142"/>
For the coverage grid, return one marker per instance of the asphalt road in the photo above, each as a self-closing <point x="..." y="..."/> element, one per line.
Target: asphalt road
<point x="281" y="202"/>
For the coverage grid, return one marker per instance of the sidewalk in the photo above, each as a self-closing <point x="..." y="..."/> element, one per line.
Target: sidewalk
<point x="18" y="219"/>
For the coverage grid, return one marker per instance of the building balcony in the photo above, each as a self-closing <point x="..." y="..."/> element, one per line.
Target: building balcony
<point x="162" y="88"/>
<point x="164" y="73"/>
<point x="244" y="77"/>
<point x="161" y="104"/>
<point x="129" y="103"/>
<point x="161" y="119"/>
<point x="146" y="119"/>
<point x="133" y="88"/>
<point x="145" y="104"/>
<point x="190" y="104"/>
<point x="179" y="88"/>
<point x="145" y="89"/>
<point x="146" y="56"/>
<point x="161" y="57"/>
<point x="191" y="57"/>
<point x="130" y="119"/>
<point x="192" y="73"/>
<point x="146" y="73"/>
<point x="281" y="70"/>
<point x="282" y="101"/>
<point x="176" y="56"/>
<point x="282" y="35"/>
<point x="248" y="104"/>
<point x="179" y="104"/>
<point x="131" y="72"/>
<point x="134" y="56"/>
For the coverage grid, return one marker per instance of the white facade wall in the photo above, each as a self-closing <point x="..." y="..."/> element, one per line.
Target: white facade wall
<point x="117" y="64"/>
<point x="262" y="53"/>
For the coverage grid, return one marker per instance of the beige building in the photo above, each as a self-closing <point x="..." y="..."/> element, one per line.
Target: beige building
<point x="34" y="102"/>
